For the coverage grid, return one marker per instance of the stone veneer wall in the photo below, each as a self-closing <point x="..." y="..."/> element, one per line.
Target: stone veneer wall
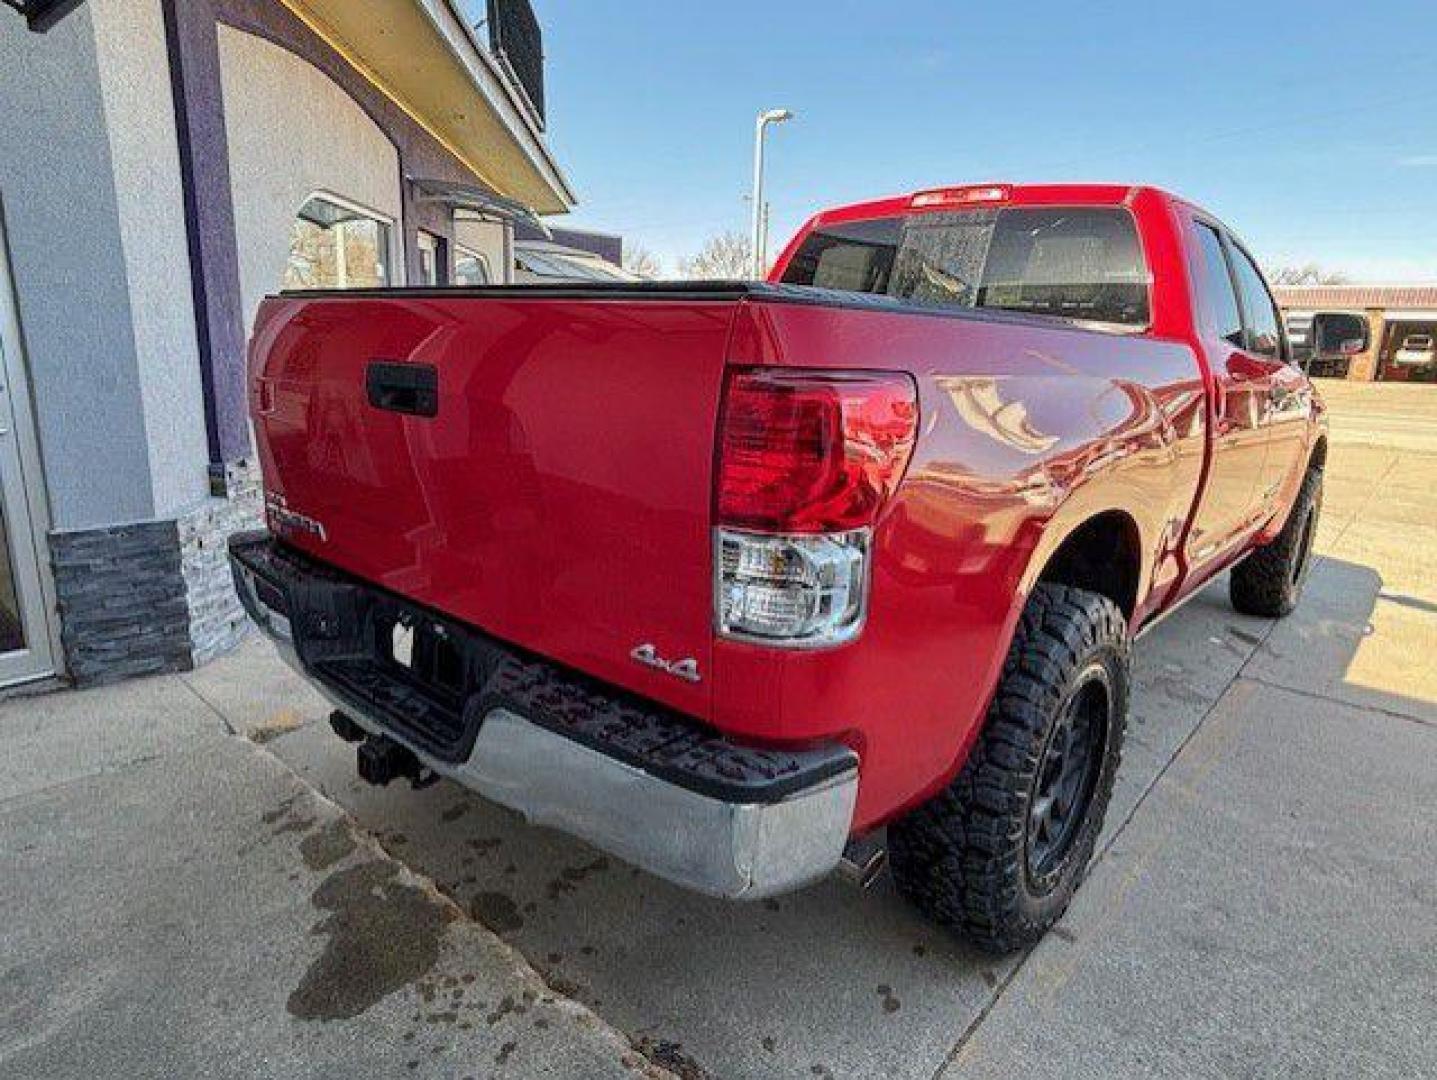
<point x="153" y="596"/>
<point x="217" y="620"/>
<point x="122" y="601"/>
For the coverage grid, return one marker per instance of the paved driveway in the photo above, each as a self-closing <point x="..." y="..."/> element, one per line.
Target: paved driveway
<point x="1263" y="902"/>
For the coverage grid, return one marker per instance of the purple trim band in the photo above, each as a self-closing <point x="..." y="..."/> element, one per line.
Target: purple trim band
<point x="209" y="221"/>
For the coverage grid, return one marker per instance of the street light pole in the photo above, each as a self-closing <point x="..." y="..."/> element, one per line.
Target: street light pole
<point x="756" y="237"/>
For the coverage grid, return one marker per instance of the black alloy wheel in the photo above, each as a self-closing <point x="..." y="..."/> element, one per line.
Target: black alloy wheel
<point x="1063" y="791"/>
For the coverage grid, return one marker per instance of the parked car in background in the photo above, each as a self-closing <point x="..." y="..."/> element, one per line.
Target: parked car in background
<point x="537" y="261"/>
<point x="726" y="576"/>
<point x="1416" y="349"/>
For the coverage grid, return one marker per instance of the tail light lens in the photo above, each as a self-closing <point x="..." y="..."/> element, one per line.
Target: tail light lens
<point x="806" y="461"/>
<point x="804" y="452"/>
<point x="795" y="590"/>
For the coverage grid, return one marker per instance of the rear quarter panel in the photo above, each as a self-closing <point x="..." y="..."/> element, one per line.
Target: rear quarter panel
<point x="1027" y="430"/>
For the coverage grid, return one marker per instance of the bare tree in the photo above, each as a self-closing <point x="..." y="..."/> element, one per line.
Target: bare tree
<point x="1307" y="274"/>
<point x="642" y="262"/>
<point x="723" y="257"/>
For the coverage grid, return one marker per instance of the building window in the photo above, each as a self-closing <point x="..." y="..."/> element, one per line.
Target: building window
<point x="470" y="267"/>
<point x="337" y="245"/>
<point x="431" y="259"/>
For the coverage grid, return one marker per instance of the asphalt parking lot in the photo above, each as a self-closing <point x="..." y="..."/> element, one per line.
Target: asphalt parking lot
<point x="196" y="884"/>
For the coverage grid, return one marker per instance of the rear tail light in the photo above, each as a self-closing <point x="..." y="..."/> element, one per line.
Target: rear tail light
<point x="806" y="461"/>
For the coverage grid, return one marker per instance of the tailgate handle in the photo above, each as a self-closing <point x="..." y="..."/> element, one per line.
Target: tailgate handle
<point x="412" y="389"/>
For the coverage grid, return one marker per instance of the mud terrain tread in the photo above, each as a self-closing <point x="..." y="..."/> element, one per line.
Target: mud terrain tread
<point x="959" y="858"/>
<point x="1262" y="584"/>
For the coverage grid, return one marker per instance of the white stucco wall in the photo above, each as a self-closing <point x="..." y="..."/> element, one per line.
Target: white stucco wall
<point x="293" y="132"/>
<point x="140" y="122"/>
<point x="94" y="221"/>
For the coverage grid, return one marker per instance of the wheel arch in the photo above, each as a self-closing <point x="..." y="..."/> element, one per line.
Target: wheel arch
<point x="1102" y="552"/>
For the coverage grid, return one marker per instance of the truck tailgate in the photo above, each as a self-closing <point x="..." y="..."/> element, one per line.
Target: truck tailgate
<point x="536" y="466"/>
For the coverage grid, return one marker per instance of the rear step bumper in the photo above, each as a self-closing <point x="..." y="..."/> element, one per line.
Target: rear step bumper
<point x="642" y="782"/>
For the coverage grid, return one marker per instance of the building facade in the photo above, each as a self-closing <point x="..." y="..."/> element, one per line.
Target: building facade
<point x="165" y="164"/>
<point x="1402" y="320"/>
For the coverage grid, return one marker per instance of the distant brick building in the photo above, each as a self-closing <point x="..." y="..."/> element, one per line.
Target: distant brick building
<point x="1401" y="317"/>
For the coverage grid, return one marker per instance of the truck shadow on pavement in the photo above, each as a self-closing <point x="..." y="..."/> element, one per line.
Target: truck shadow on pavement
<point x="832" y="981"/>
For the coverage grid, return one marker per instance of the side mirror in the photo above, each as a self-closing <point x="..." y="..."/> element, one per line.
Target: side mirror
<point x="1337" y="336"/>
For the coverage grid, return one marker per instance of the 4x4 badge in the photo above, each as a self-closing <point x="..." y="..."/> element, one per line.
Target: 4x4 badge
<point x="686" y="669"/>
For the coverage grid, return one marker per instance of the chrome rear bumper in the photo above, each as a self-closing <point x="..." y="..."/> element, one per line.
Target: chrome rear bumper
<point x="781" y="820"/>
<point x="742" y="851"/>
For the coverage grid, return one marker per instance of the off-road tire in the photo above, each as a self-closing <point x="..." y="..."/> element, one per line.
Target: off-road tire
<point x="1269" y="581"/>
<point x="963" y="859"/>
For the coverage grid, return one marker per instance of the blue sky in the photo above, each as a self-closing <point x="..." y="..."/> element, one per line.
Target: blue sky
<point x="1310" y="127"/>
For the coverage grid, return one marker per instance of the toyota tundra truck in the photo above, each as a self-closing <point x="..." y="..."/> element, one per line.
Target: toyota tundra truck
<point x="730" y="578"/>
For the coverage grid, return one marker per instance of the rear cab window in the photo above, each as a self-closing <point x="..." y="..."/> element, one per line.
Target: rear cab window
<point x="1076" y="263"/>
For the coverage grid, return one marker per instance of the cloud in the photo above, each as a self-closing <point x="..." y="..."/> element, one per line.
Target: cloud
<point x="1419" y="161"/>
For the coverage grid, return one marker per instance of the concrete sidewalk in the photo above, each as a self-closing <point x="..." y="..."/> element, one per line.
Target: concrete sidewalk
<point x="201" y="886"/>
<point x="178" y="904"/>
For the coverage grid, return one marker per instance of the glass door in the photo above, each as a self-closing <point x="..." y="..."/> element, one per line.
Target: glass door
<point x="26" y="642"/>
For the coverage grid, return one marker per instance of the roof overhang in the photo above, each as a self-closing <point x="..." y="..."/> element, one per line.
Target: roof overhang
<point x="476" y="200"/>
<point x="421" y="55"/>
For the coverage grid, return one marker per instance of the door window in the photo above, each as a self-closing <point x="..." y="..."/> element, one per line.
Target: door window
<point x="1264" y="332"/>
<point x="24" y="612"/>
<point x="1224" y="317"/>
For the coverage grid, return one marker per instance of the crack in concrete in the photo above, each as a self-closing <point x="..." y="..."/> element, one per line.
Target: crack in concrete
<point x="1313" y="695"/>
<point x="1371" y="496"/>
<point x="224" y="720"/>
<point x="8" y="801"/>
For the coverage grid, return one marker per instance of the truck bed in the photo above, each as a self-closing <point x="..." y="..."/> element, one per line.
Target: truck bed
<point x="537" y="463"/>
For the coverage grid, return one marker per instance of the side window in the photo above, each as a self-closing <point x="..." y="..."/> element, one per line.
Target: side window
<point x="1264" y="333"/>
<point x="856" y="256"/>
<point x="1224" y="318"/>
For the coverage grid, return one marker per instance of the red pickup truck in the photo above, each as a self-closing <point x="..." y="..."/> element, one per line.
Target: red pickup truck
<point x="725" y="576"/>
